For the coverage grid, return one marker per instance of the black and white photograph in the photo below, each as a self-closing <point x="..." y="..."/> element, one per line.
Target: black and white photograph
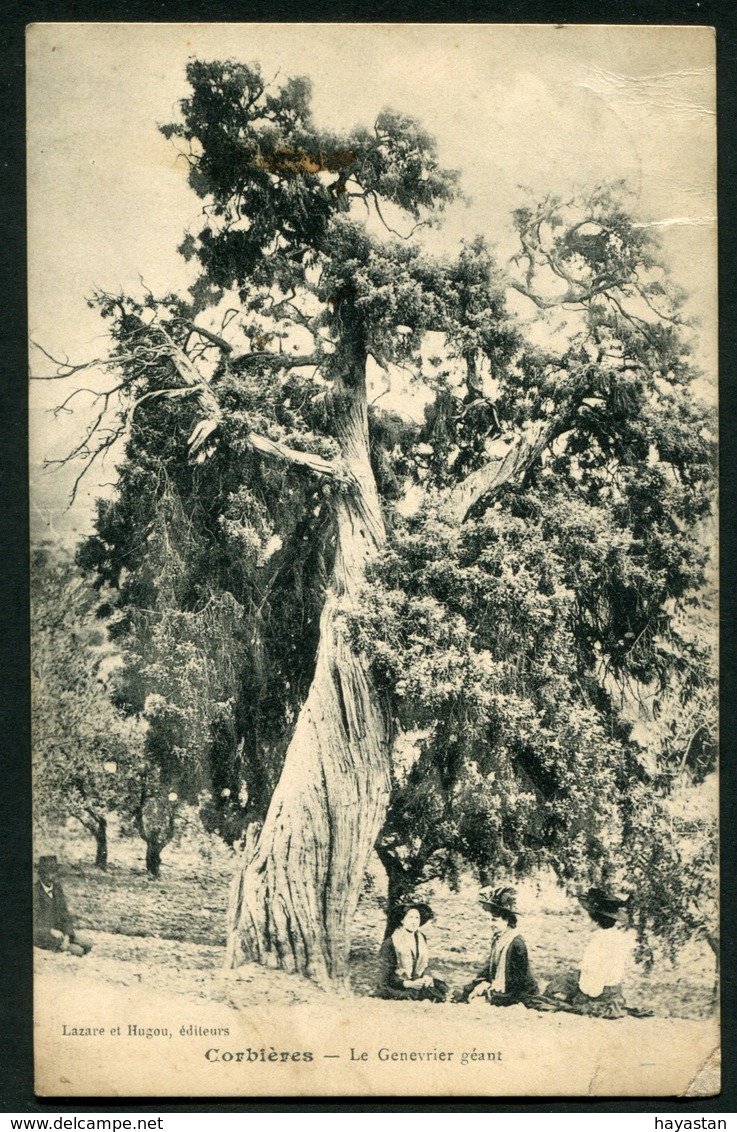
<point x="374" y="626"/>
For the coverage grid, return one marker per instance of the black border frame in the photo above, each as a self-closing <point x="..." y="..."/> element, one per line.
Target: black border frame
<point x="16" y="1024"/>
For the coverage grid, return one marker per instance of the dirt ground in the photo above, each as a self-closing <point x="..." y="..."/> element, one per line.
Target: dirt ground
<point x="169" y="934"/>
<point x="155" y="979"/>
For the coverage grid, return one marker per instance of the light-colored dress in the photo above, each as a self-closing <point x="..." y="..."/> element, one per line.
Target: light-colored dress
<point x="604" y="961"/>
<point x="596" y="987"/>
<point x="403" y="958"/>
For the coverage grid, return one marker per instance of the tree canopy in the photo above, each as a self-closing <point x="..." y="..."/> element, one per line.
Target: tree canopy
<point x="297" y="573"/>
<point x="87" y="755"/>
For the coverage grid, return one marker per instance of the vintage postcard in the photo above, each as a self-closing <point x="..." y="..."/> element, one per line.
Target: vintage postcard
<point x="373" y="481"/>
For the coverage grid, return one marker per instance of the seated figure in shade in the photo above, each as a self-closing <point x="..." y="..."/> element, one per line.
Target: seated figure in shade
<point x="505" y="978"/>
<point x="53" y="926"/>
<point x="596" y="987"/>
<point x="404" y="958"/>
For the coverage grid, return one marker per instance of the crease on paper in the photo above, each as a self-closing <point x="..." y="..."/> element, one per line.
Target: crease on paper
<point x="663" y="90"/>
<point x="592" y="1090"/>
<point x="675" y="221"/>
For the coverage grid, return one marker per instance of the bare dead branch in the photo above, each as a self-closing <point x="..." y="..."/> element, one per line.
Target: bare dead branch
<point x="410" y="234"/>
<point x="151" y="345"/>
<point x="311" y="460"/>
<point x="62" y="408"/>
<point x="169" y="394"/>
<point x="65" y="367"/>
<point x="278" y="361"/>
<point x="215" y="339"/>
<point x="105" y="444"/>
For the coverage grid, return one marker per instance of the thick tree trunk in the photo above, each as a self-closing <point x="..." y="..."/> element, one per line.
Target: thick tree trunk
<point x="401" y="885"/>
<point x="153" y="858"/>
<point x="96" y="824"/>
<point x="101" y="844"/>
<point x="155" y="823"/>
<point x="293" y="903"/>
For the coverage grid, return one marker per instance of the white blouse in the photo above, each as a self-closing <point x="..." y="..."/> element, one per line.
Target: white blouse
<point x="604" y="961"/>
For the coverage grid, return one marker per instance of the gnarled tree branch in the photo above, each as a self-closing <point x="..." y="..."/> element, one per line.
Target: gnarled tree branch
<point x="521" y="453"/>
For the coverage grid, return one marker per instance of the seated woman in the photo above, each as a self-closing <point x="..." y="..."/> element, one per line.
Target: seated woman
<point x="506" y="978"/>
<point x="596" y="988"/>
<point x="404" y="958"/>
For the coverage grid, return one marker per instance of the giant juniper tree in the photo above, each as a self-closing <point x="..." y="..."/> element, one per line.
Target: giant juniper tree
<point x="560" y="483"/>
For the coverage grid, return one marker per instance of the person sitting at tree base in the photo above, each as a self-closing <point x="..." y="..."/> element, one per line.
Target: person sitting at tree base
<point x="506" y="978"/>
<point x="53" y="927"/>
<point x="404" y="959"/>
<point x="596" y="988"/>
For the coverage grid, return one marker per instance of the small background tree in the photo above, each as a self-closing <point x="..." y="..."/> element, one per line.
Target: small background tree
<point x="86" y="753"/>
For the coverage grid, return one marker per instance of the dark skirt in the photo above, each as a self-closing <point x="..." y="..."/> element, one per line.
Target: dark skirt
<point x="563" y="993"/>
<point x="493" y="998"/>
<point x="438" y="992"/>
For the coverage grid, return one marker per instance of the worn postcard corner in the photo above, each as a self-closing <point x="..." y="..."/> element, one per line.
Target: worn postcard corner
<point x="708" y="1080"/>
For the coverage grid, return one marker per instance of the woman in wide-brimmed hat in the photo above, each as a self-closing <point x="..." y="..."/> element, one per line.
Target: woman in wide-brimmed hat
<point x="596" y="987"/>
<point x="505" y="978"/>
<point x="404" y="958"/>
